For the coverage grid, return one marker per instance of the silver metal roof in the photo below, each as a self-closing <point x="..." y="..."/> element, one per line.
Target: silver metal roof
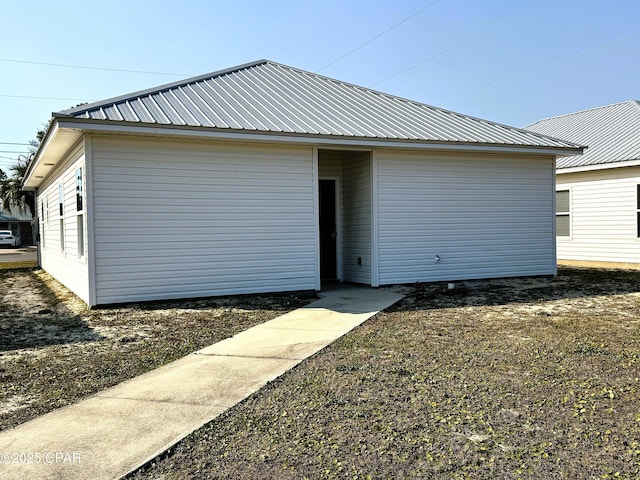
<point x="266" y="96"/>
<point x="612" y="134"/>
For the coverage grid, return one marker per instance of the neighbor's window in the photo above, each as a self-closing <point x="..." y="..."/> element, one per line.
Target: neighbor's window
<point x="638" y="210"/>
<point x="563" y="213"/>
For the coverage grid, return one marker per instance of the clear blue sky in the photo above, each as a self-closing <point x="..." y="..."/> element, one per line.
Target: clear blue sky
<point x="510" y="61"/>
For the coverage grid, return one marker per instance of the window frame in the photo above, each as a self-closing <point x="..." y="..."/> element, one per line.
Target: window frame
<point x="638" y="211"/>
<point x="564" y="213"/>
<point x="80" y="204"/>
<point x="61" y="215"/>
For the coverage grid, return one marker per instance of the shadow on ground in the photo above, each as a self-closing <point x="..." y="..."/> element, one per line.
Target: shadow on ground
<point x="31" y="316"/>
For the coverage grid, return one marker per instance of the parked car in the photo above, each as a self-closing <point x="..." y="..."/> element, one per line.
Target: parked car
<point x="8" y="238"/>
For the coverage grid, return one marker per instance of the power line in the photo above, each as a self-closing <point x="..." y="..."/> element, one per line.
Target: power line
<point x="545" y="67"/>
<point x="378" y="36"/>
<point x="87" y="67"/>
<point x="46" y="98"/>
<point x="446" y="50"/>
<point x="14" y="151"/>
<point x="14" y="143"/>
<point x="295" y="25"/>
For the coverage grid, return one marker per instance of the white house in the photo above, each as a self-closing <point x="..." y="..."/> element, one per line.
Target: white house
<point x="598" y="193"/>
<point x="19" y="222"/>
<point x="264" y="178"/>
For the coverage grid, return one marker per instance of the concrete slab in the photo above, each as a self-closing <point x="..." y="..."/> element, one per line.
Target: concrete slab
<point x="117" y="430"/>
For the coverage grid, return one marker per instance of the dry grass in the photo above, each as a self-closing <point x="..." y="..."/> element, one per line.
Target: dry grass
<point x="54" y="351"/>
<point x="520" y="378"/>
<point x="17" y="265"/>
<point x="531" y="379"/>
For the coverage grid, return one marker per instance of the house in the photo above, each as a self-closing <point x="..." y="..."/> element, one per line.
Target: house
<point x="598" y="193"/>
<point x="265" y="178"/>
<point x="19" y="223"/>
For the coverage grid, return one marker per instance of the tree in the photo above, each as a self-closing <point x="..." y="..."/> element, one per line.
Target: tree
<point x="11" y="193"/>
<point x="11" y="187"/>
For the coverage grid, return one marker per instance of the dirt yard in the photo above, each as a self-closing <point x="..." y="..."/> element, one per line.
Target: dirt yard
<point x="516" y="379"/>
<point x="55" y="351"/>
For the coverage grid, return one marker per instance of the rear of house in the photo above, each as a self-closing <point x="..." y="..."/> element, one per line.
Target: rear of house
<point x="266" y="178"/>
<point x="598" y="193"/>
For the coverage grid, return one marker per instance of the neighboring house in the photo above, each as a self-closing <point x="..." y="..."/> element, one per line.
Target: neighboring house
<point x="19" y="223"/>
<point x="598" y="193"/>
<point x="266" y="178"/>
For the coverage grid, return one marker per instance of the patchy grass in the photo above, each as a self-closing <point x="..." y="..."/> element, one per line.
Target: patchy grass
<point x="55" y="351"/>
<point x="525" y="378"/>
<point x="17" y="265"/>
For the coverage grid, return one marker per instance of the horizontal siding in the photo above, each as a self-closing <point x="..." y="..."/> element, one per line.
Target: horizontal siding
<point x="356" y="189"/>
<point x="603" y="216"/>
<point x="484" y="217"/>
<point x="177" y="219"/>
<point x="65" y="265"/>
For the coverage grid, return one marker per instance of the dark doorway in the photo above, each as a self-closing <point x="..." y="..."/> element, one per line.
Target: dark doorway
<point x="328" y="232"/>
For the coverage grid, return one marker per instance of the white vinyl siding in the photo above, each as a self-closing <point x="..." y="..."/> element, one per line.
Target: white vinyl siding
<point x="483" y="216"/>
<point x="604" y="216"/>
<point x="180" y="219"/>
<point x="356" y="193"/>
<point x="60" y="252"/>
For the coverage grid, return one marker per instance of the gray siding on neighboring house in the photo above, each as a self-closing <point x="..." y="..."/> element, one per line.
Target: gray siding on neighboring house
<point x="68" y="264"/>
<point x="603" y="215"/>
<point x="356" y="188"/>
<point x="484" y="216"/>
<point x="185" y="219"/>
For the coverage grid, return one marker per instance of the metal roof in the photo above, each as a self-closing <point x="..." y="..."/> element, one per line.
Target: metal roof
<point x="15" y="215"/>
<point x="612" y="133"/>
<point x="266" y="96"/>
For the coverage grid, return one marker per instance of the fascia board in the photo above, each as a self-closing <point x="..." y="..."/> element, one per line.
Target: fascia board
<point x="129" y="129"/>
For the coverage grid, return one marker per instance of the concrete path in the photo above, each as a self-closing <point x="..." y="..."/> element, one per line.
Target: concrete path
<point x="24" y="254"/>
<point x="115" y="431"/>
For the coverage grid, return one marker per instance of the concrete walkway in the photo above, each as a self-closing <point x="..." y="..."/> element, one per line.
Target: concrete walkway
<point x="115" y="431"/>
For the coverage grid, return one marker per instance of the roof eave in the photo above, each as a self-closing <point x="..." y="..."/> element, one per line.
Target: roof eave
<point x="599" y="166"/>
<point x="57" y="141"/>
<point x="131" y="128"/>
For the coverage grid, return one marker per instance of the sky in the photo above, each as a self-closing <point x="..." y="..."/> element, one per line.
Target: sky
<point x="509" y="61"/>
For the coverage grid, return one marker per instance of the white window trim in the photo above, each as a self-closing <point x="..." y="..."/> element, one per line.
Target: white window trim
<point x="567" y="213"/>
<point x="82" y="253"/>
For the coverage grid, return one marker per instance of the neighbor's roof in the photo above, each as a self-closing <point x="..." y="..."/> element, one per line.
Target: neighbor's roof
<point x="14" y="215"/>
<point x="612" y="134"/>
<point x="266" y="96"/>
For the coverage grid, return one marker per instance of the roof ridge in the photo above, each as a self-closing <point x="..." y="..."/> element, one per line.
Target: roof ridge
<point x="157" y="89"/>
<point x="636" y="103"/>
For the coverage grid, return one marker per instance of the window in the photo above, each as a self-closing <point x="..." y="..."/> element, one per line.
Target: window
<point x="62" y="234"/>
<point x="80" y="230"/>
<point x="79" y="190"/>
<point x="61" y="200"/>
<point x="61" y="208"/>
<point x="42" y="224"/>
<point x="563" y="213"/>
<point x="638" y="210"/>
<point x="79" y="216"/>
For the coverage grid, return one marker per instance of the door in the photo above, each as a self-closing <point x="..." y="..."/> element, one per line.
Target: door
<point x="328" y="232"/>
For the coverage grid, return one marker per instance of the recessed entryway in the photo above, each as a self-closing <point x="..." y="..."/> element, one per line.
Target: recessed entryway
<point x="345" y="215"/>
<point x="328" y="230"/>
